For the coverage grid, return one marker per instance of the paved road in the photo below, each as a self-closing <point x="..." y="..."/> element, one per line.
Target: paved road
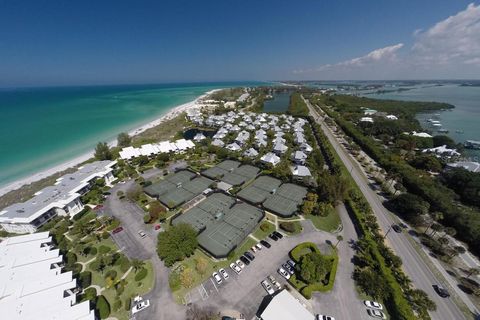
<point x="413" y="264"/>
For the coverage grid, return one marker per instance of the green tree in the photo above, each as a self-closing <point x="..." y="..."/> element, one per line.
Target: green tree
<point x="103" y="307"/>
<point x="410" y="206"/>
<point x="339" y="238"/>
<point x="102" y="151"/>
<point x="441" y="140"/>
<point x="177" y="243"/>
<point x="371" y="283"/>
<point x="137" y="264"/>
<point x="314" y="267"/>
<point x="124" y="140"/>
<point x="201" y="265"/>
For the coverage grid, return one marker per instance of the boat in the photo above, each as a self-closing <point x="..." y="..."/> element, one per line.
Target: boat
<point x="472" y="144"/>
<point x="459" y="131"/>
<point x="443" y="130"/>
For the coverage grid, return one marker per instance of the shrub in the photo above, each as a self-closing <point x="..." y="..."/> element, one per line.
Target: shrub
<point x="85" y="279"/>
<point x="92" y="251"/>
<point x="128" y="304"/>
<point x="81" y="214"/>
<point x="112" y="274"/>
<point x="147" y="218"/>
<point x="265" y="226"/>
<point x="124" y="263"/>
<point x="104" y="249"/>
<point x="141" y="274"/>
<point x="89" y="294"/>
<point x="174" y="281"/>
<point x="102" y="307"/>
<point x="288" y="227"/>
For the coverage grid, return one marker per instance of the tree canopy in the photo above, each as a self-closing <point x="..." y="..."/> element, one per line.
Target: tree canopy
<point x="314" y="267"/>
<point x="123" y="139"/>
<point x="102" y="151"/>
<point x="176" y="243"/>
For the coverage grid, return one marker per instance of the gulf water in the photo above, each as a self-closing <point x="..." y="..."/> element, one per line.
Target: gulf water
<point x="43" y="127"/>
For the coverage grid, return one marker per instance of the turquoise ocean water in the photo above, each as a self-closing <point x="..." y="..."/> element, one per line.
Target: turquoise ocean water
<point x="43" y="127"/>
<point x="465" y="117"/>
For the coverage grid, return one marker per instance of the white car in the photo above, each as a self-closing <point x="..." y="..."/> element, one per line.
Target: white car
<point x="254" y="249"/>
<point x="235" y="268"/>
<point x="373" y="305"/>
<point x="274" y="282"/>
<point x="322" y="317"/>
<point x="142" y="234"/>
<point x="224" y="273"/>
<point x="283" y="273"/>
<point x="258" y="246"/>
<point x="267" y="287"/>
<point x="217" y="277"/>
<point x="240" y="264"/>
<point x="140" y="306"/>
<point x="376" y="314"/>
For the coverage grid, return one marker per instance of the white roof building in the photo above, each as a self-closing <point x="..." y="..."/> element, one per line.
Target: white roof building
<point x="279" y="147"/>
<point x="366" y="119"/>
<point x="301" y="171"/>
<point x="299" y="157"/>
<point x="63" y="198"/>
<point x="199" y="137"/>
<point x="391" y="117"/>
<point x="233" y="147"/>
<point x="218" y="143"/>
<point x="32" y="284"/>
<point x="442" y="151"/>
<point x="420" y="134"/>
<point x="284" y="306"/>
<point x="251" y="153"/>
<point x="271" y="158"/>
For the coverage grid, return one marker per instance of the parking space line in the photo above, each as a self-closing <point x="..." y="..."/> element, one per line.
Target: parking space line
<point x="214" y="284"/>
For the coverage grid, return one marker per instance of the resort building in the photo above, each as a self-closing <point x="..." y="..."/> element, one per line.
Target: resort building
<point x="152" y="149"/>
<point x="61" y="199"/>
<point x="284" y="306"/>
<point x="32" y="283"/>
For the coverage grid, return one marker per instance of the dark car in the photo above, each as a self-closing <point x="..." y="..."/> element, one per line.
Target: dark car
<point x="117" y="230"/>
<point x="273" y="237"/>
<point x="442" y="292"/>
<point x="249" y="255"/>
<point x="288" y="267"/>
<point x="396" y="228"/>
<point x="245" y="260"/>
<point x="265" y="244"/>
<point x="278" y="234"/>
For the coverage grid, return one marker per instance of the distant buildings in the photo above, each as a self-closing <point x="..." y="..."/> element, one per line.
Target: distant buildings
<point x="467" y="165"/>
<point x="61" y="199"/>
<point x="152" y="149"/>
<point x="32" y="283"/>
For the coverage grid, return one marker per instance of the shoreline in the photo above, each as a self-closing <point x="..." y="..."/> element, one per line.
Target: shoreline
<point x="172" y="113"/>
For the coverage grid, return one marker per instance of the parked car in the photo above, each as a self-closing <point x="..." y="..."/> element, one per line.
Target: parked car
<point x="157" y="227"/>
<point x="217" y="277"/>
<point x="273" y="237"/>
<point x="267" y="287"/>
<point x="322" y="317"/>
<point x="283" y="273"/>
<point x="442" y="292"/>
<point x="274" y="282"/>
<point x="254" y="249"/>
<point x="140" y="306"/>
<point x="142" y="234"/>
<point x="240" y="264"/>
<point x="235" y="268"/>
<point x="278" y="234"/>
<point x="117" y="230"/>
<point x="224" y="273"/>
<point x="396" y="228"/>
<point x="265" y="244"/>
<point x="291" y="263"/>
<point x="289" y="269"/>
<point x="258" y="246"/>
<point x="376" y="314"/>
<point x="373" y="305"/>
<point x="250" y="256"/>
<point x="245" y="260"/>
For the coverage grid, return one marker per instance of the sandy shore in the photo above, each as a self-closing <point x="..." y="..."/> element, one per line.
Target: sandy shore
<point x="84" y="157"/>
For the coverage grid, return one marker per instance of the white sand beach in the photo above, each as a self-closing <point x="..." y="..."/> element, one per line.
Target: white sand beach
<point x="76" y="161"/>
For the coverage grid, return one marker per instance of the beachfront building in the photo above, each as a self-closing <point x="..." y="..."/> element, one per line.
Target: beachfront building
<point x="152" y="149"/>
<point x="33" y="284"/>
<point x="61" y="199"/>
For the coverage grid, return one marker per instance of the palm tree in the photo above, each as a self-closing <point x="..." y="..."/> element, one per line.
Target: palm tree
<point x="137" y="264"/>
<point x="436" y="228"/>
<point x="443" y="242"/>
<point x="436" y="216"/>
<point x="339" y="238"/>
<point x="473" y="272"/>
<point x="458" y="250"/>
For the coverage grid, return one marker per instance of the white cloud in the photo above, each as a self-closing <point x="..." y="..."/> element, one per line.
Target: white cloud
<point x="453" y="40"/>
<point x="450" y="48"/>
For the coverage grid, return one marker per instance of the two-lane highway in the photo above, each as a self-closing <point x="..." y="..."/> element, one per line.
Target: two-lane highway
<point x="413" y="265"/>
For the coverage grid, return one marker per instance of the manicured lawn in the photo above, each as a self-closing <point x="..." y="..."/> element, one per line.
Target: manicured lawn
<point x="260" y="234"/>
<point x="132" y="289"/>
<point x="329" y="223"/>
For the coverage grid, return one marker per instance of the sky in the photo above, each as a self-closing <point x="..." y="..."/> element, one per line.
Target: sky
<point x="49" y="42"/>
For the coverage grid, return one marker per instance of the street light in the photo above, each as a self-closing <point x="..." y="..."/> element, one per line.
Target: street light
<point x="387" y="232"/>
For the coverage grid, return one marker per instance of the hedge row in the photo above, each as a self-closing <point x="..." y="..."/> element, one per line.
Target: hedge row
<point x="141" y="274"/>
<point x="308" y="290"/>
<point x="296" y="252"/>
